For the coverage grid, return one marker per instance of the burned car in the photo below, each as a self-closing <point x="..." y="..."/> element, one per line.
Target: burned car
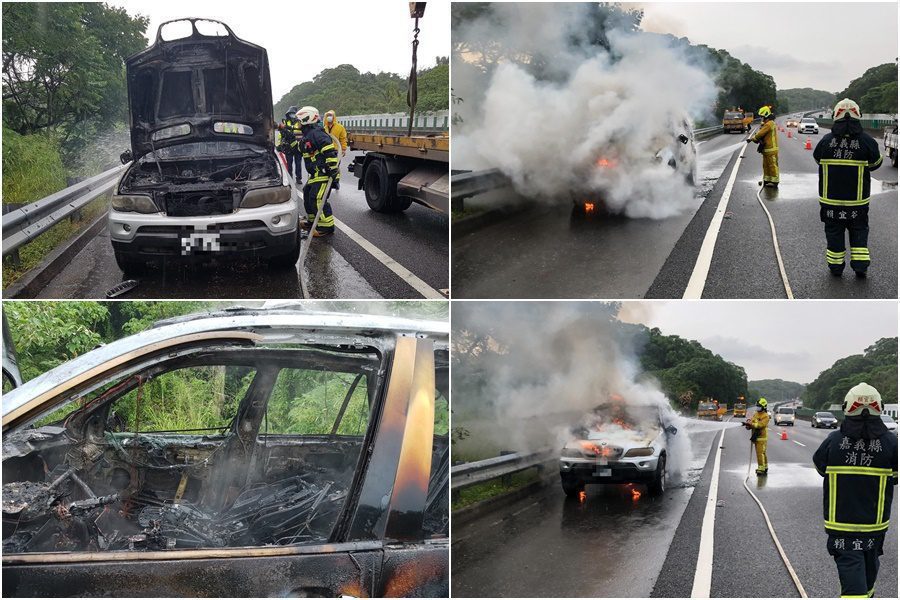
<point x="617" y="444"/>
<point x="204" y="179"/>
<point x="302" y="459"/>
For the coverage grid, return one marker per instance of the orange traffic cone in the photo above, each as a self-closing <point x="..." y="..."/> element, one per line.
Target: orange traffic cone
<point x="790" y="134"/>
<point x="808" y="144"/>
<point x="784" y="434"/>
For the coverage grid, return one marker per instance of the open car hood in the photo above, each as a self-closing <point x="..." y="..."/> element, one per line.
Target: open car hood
<point x="207" y="86"/>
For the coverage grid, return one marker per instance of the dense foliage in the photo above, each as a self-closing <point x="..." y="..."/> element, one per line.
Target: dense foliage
<point x="32" y="167"/>
<point x="774" y="390"/>
<point x="876" y="90"/>
<point x="877" y="366"/>
<point x="348" y="92"/>
<point x="803" y="99"/>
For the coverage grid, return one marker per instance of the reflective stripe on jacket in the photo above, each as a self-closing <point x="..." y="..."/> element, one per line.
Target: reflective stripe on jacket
<point x="768" y="133"/>
<point x="845" y="163"/>
<point x="760" y="422"/>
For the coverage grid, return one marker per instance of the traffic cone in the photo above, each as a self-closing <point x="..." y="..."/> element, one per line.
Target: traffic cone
<point x="784" y="434"/>
<point x="808" y="144"/>
<point x="790" y="134"/>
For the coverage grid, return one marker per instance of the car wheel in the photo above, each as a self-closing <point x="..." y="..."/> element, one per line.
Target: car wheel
<point x="572" y="486"/>
<point x="658" y="485"/>
<point x="130" y="266"/>
<point x="287" y="260"/>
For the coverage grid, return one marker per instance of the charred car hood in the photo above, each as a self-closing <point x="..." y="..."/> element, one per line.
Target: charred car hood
<point x="199" y="88"/>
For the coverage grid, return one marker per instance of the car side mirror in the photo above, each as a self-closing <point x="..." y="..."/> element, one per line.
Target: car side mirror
<point x="126" y="157"/>
<point x="683" y="138"/>
<point x="671" y="430"/>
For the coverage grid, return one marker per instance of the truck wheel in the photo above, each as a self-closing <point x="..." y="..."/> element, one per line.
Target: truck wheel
<point x="572" y="486"/>
<point x="381" y="190"/>
<point x="893" y="157"/>
<point x="288" y="260"/>
<point x="130" y="266"/>
<point x="658" y="485"/>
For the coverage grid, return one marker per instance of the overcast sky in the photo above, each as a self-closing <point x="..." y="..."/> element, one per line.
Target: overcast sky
<point x="822" y="45"/>
<point x="794" y="341"/>
<point x="303" y="38"/>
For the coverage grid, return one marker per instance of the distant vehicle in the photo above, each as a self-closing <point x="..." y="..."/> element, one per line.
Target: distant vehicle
<point x="824" y="419"/>
<point x="738" y="121"/>
<point x="784" y="415"/>
<point x="889" y="423"/>
<point x="808" y="125"/>
<point x="792" y="122"/>
<point x="890" y="143"/>
<point x="617" y="444"/>
<point x="708" y="410"/>
<point x="740" y="409"/>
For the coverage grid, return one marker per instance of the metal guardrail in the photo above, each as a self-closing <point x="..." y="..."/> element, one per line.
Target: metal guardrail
<point x="706" y="132"/>
<point x="468" y="474"/>
<point x="25" y="224"/>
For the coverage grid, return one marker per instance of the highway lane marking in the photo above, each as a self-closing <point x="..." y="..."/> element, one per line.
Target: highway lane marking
<point x="697" y="282"/>
<point x="402" y="272"/>
<point x="520" y="511"/>
<point x="798" y="443"/>
<point x="703" y="572"/>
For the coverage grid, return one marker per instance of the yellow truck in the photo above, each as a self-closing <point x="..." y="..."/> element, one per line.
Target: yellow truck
<point x="736" y="120"/>
<point x="708" y="410"/>
<point x="740" y="409"/>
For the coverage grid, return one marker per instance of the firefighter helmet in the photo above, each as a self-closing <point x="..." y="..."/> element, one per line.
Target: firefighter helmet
<point x="846" y="108"/>
<point x="291" y="112"/>
<point x="764" y="112"/>
<point x="308" y="115"/>
<point x="763" y="402"/>
<point x="862" y="397"/>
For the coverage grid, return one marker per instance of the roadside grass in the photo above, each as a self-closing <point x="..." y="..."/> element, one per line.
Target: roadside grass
<point x="32" y="167"/>
<point x="32" y="253"/>
<point x="490" y="489"/>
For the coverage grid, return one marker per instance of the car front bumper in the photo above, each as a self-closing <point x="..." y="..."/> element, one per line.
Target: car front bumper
<point x="266" y="231"/>
<point x="626" y="470"/>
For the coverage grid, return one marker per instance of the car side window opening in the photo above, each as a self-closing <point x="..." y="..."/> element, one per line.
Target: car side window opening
<point x="236" y="448"/>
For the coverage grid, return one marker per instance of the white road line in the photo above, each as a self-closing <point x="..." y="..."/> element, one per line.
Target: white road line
<point x="697" y="282"/>
<point x="521" y="510"/>
<point x="798" y="443"/>
<point x="497" y="522"/>
<point x="703" y="572"/>
<point x="402" y="272"/>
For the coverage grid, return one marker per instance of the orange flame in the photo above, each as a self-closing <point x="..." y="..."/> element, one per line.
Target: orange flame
<point x="582" y="495"/>
<point x="604" y="163"/>
<point x="589" y="207"/>
<point x="635" y="494"/>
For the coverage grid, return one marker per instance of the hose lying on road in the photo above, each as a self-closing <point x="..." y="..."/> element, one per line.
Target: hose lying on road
<point x="787" y="563"/>
<point x="784" y="278"/>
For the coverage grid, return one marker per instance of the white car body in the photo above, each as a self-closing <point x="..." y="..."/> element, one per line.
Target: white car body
<point x="808" y="125"/>
<point x="784" y="416"/>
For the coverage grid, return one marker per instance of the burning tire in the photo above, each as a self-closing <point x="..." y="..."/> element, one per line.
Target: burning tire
<point x="658" y="486"/>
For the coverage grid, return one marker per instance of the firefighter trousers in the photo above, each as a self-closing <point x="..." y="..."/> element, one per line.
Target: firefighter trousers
<point x="294" y="161"/>
<point x="856" y="226"/>
<point x="313" y="198"/>
<point x="770" y="167"/>
<point x="762" y="464"/>
<point x="857" y="569"/>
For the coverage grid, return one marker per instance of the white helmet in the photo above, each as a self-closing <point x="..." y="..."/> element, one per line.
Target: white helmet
<point x="308" y="115"/>
<point x="862" y="397"/>
<point x="846" y="107"/>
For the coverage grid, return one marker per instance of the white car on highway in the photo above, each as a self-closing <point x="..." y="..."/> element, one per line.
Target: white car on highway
<point x="889" y="423"/>
<point x="784" y="415"/>
<point x="808" y="125"/>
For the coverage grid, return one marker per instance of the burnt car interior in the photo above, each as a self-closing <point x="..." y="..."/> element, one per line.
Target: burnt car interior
<point x="264" y="454"/>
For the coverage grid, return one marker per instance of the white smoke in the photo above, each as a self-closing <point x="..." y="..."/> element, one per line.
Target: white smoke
<point x="547" y="134"/>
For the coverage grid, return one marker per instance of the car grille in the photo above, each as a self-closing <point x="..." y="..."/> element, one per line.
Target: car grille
<point x="607" y="452"/>
<point x="199" y="204"/>
<point x="179" y="229"/>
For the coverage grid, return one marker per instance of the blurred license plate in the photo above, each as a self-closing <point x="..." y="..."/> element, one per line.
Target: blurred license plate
<point x="600" y="472"/>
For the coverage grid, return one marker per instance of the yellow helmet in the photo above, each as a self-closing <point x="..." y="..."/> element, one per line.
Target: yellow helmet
<point x="764" y="112"/>
<point x="762" y="401"/>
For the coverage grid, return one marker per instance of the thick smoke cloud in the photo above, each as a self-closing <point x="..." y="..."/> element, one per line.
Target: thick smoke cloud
<point x="593" y="124"/>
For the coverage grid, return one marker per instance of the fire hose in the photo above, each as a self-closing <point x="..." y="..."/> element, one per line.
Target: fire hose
<point x="787" y="563"/>
<point x="782" y="272"/>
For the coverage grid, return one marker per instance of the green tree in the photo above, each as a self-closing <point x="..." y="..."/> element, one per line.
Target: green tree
<point x="876" y="366"/>
<point x="804" y="99"/>
<point x="875" y="90"/>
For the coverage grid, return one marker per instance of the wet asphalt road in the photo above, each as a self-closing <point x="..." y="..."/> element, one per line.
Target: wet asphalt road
<point x="609" y="545"/>
<point x="541" y="252"/>
<point x="614" y="546"/>
<point x="336" y="267"/>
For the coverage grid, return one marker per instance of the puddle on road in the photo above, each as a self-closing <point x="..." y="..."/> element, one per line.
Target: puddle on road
<point x="804" y="186"/>
<point x="783" y="475"/>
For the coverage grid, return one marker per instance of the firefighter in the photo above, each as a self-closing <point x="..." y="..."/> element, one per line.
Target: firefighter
<point x="758" y="425"/>
<point x="335" y="129"/>
<point x="767" y="138"/>
<point x="846" y="156"/>
<point x="321" y="159"/>
<point x="859" y="464"/>
<point x="290" y="142"/>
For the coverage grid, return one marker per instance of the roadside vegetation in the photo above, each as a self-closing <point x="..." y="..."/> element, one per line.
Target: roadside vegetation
<point x="877" y="366"/>
<point x="875" y="90"/>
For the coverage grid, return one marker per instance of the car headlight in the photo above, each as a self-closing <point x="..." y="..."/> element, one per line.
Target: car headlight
<point x="263" y="196"/>
<point x="639" y="452"/>
<point x="570" y="453"/>
<point x="140" y="204"/>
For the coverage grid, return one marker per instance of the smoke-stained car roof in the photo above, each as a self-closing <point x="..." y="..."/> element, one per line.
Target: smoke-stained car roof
<point x="247" y="325"/>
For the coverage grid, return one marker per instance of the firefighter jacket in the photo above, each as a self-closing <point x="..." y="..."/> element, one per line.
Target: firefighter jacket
<point x="337" y="130"/>
<point x="319" y="153"/>
<point x="859" y="464"/>
<point x="845" y="157"/>
<point x="768" y="133"/>
<point x="759" y="423"/>
<point x="290" y="135"/>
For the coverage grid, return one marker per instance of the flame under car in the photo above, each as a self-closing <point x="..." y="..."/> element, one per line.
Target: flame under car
<point x="617" y="444"/>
